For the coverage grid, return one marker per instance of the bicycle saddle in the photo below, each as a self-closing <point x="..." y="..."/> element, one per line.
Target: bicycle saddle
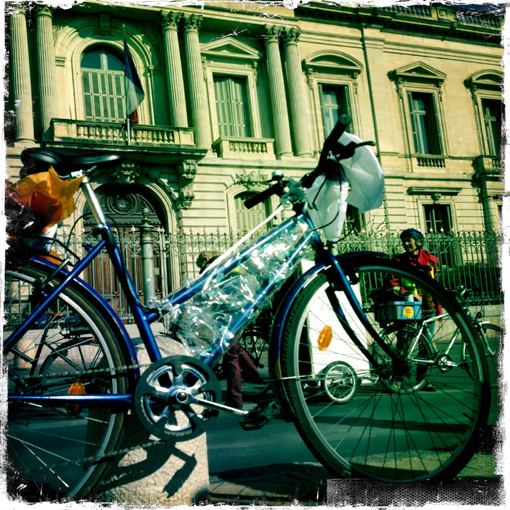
<point x="36" y="160"/>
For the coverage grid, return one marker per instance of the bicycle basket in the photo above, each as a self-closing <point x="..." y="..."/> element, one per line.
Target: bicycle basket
<point x="398" y="311"/>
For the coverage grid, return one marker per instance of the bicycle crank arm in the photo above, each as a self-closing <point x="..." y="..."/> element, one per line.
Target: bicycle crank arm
<point x="218" y="407"/>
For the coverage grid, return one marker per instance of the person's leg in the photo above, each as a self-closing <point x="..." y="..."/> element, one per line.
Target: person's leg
<point x="250" y="372"/>
<point x="233" y="375"/>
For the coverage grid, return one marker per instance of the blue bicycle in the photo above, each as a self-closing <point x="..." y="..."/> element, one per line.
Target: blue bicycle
<point x="74" y="373"/>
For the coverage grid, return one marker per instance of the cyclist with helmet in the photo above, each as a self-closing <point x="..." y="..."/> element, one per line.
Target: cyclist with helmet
<point x="416" y="256"/>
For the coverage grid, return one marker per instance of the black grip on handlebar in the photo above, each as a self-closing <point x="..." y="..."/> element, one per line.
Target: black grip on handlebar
<point x="329" y="144"/>
<point x="263" y="195"/>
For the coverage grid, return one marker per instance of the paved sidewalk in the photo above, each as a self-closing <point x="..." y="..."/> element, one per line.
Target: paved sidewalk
<point x="307" y="484"/>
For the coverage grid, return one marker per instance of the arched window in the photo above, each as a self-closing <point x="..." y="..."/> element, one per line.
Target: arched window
<point x="103" y="86"/>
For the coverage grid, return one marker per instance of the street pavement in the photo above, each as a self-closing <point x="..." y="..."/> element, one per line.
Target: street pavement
<point x="262" y="472"/>
<point x="308" y="483"/>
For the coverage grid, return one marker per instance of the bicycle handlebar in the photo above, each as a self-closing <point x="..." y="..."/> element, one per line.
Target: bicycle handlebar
<point x="276" y="189"/>
<point x="331" y="142"/>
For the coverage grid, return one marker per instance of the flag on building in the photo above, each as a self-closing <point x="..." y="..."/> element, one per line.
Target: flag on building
<point x="134" y="89"/>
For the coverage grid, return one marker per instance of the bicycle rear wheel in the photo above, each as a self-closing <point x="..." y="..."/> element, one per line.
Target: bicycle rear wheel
<point x="493" y="336"/>
<point x="415" y="345"/>
<point x="256" y="345"/>
<point x="58" y="452"/>
<point x="390" y="434"/>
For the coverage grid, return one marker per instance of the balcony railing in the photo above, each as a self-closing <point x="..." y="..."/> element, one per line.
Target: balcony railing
<point x="82" y="131"/>
<point x="488" y="165"/>
<point x="412" y="10"/>
<point x="247" y="148"/>
<point x="431" y="161"/>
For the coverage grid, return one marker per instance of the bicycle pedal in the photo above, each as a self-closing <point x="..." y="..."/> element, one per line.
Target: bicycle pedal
<point x="260" y="416"/>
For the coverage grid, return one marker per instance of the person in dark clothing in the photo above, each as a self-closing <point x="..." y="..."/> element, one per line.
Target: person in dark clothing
<point x="237" y="363"/>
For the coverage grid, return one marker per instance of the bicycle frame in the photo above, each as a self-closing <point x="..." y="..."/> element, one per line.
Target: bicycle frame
<point x="143" y="319"/>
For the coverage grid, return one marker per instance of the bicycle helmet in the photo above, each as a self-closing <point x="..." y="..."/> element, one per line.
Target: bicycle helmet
<point x="415" y="234"/>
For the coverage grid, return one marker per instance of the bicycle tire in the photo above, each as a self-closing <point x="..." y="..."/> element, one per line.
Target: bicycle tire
<point x="339" y="382"/>
<point x="59" y="452"/>
<point x="396" y="437"/>
<point x="404" y="339"/>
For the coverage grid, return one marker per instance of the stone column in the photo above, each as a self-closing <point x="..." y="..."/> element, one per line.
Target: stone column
<point x="277" y="90"/>
<point x="20" y="72"/>
<point x="46" y="62"/>
<point x="198" y="95"/>
<point x="297" y="96"/>
<point x="170" y="22"/>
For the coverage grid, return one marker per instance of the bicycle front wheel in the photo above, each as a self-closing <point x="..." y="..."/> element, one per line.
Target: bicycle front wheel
<point x="58" y="452"/>
<point x="393" y="428"/>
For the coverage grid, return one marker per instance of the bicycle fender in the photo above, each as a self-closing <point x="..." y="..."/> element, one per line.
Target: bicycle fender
<point x="281" y="317"/>
<point x="126" y="346"/>
<point x="277" y="337"/>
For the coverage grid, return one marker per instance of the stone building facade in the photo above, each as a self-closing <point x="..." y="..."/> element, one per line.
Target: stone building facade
<point x="235" y="91"/>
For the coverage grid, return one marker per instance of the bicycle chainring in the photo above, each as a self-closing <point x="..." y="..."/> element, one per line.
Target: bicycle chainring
<point x="164" y="397"/>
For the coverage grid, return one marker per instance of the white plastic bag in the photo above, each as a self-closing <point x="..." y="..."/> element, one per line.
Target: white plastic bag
<point x="365" y="176"/>
<point x="327" y="205"/>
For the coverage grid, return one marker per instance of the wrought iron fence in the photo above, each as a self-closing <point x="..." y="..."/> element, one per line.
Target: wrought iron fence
<point x="466" y="258"/>
<point x="470" y="259"/>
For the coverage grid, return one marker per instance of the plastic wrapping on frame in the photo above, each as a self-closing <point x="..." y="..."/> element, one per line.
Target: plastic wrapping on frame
<point x="206" y="322"/>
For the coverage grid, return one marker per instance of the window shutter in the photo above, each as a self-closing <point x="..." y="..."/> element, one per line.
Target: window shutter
<point x="238" y="105"/>
<point x="103" y="93"/>
<point x="87" y="95"/>
<point x="222" y="109"/>
<point x="118" y="91"/>
<point x="248" y="219"/>
<point x="435" y="128"/>
<point x="96" y="108"/>
<point x="231" y="106"/>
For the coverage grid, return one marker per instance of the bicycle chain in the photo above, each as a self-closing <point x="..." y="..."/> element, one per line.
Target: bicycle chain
<point x="90" y="371"/>
<point x="83" y="462"/>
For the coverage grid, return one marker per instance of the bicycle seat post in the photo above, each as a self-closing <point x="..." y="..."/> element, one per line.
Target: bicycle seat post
<point x="92" y="198"/>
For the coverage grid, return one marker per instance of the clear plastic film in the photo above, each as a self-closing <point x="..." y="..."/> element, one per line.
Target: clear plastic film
<point x="235" y="291"/>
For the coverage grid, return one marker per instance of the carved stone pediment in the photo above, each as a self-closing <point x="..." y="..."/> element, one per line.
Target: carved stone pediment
<point x="485" y="80"/>
<point x="328" y="61"/>
<point x="418" y="72"/>
<point x="230" y="48"/>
